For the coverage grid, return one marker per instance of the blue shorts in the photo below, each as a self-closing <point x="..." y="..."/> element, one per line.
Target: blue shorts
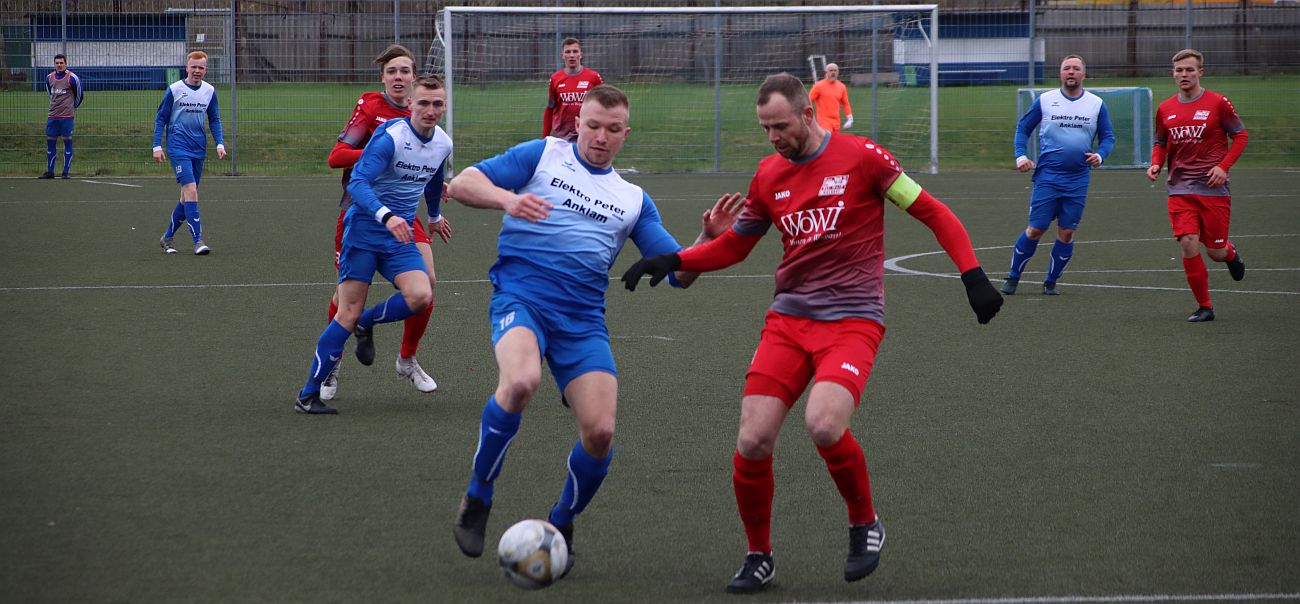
<point x="1048" y="203"/>
<point x="188" y="171"/>
<point x="572" y="344"/>
<point x="360" y="264"/>
<point x="58" y="126"/>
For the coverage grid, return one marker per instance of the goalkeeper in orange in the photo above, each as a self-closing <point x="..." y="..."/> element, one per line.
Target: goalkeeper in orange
<point x="827" y="96"/>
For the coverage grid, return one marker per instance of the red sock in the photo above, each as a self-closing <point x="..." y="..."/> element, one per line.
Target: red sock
<point x="755" y="485"/>
<point x="334" y="309"/>
<point x="1232" y="253"/>
<point x="848" y="466"/>
<point x="1198" y="278"/>
<point x="414" y="330"/>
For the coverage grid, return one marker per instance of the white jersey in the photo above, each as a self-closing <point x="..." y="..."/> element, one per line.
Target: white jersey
<point x="565" y="259"/>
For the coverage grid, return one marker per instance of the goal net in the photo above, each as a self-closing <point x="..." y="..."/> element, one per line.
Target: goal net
<point x="691" y="75"/>
<point x="1131" y="114"/>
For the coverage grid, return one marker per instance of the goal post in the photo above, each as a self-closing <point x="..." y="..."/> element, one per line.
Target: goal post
<point x="1132" y="116"/>
<point x="691" y="74"/>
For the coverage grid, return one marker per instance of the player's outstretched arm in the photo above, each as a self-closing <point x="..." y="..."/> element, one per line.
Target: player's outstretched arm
<point x="715" y="222"/>
<point x="473" y="188"/>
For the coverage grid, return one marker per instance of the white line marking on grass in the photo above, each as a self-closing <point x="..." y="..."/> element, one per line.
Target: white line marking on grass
<point x="116" y="184"/>
<point x="239" y="285"/>
<point x="893" y="264"/>
<point x="1083" y="599"/>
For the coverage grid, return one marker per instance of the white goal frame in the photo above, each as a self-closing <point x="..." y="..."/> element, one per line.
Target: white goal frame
<point x="445" y="29"/>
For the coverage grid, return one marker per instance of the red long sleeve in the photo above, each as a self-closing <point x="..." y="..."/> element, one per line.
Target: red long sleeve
<point x="1235" y="151"/>
<point x="720" y="253"/>
<point x="344" y="155"/>
<point x="1158" y="154"/>
<point x="948" y="230"/>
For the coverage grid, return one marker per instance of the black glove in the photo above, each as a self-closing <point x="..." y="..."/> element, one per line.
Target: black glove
<point x="984" y="299"/>
<point x="657" y="267"/>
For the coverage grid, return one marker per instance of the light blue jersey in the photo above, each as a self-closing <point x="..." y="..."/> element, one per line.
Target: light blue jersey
<point x="1066" y="128"/>
<point x="183" y="113"/>
<point x="397" y="166"/>
<point x="563" y="261"/>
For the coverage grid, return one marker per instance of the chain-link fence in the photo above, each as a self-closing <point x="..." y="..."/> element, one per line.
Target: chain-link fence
<point x="287" y="73"/>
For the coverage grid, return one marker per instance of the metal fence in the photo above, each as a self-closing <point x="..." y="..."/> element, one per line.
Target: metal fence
<point x="287" y="73"/>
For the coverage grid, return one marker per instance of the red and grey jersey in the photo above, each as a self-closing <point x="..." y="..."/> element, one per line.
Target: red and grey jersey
<point x="1194" y="136"/>
<point x="829" y="209"/>
<point x="565" y="97"/>
<point x="372" y="111"/>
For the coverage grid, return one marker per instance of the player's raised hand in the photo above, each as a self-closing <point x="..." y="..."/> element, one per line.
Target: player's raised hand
<point x="983" y="298"/>
<point x="657" y="267"/>
<point x="1153" y="172"/>
<point x="528" y="206"/>
<point x="399" y="228"/>
<point x="442" y="228"/>
<point x="722" y="215"/>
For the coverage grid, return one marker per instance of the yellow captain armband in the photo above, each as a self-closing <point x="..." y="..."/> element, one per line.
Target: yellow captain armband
<point x="903" y="192"/>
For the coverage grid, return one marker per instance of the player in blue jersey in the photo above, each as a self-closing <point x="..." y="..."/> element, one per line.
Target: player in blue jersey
<point x="567" y="215"/>
<point x="1067" y="120"/>
<point x="66" y="95"/>
<point x="404" y="159"/>
<point x="186" y="106"/>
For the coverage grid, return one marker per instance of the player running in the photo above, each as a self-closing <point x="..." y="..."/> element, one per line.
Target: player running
<point x="1067" y="119"/>
<point x="568" y="213"/>
<point x="404" y="159"/>
<point x="1192" y="128"/>
<point x="373" y="109"/>
<point x="567" y="89"/>
<point x="826" y="195"/>
<point x="185" y="106"/>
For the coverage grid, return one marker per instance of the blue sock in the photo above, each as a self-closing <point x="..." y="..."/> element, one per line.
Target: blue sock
<point x="392" y="309"/>
<point x="178" y="218"/>
<point x="67" y="156"/>
<point x="1061" y="254"/>
<point x="192" y="217"/>
<point x="586" y="473"/>
<point x="496" y="431"/>
<point x="329" y="348"/>
<point x="49" y="155"/>
<point x="1025" y="248"/>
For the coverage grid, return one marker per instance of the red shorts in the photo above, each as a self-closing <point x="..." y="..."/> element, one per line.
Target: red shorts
<point x="1203" y="215"/>
<point x="793" y="350"/>
<point x="420" y="236"/>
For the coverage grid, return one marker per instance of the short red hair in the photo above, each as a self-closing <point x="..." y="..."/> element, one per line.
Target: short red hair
<point x="198" y="54"/>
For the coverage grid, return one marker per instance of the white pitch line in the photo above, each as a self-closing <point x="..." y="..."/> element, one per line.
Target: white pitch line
<point x="893" y="264"/>
<point x="116" y="184"/>
<point x="1089" y="599"/>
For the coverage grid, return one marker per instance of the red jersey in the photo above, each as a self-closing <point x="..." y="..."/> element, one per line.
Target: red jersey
<point x="1194" y="135"/>
<point x="830" y="211"/>
<point x="372" y="110"/>
<point x="564" y="99"/>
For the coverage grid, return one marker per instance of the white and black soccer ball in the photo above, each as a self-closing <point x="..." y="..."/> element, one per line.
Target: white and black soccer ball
<point x="533" y="553"/>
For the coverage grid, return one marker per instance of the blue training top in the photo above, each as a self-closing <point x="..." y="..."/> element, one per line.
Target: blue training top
<point x="563" y="261"/>
<point x="182" y="113"/>
<point x="1066" y="127"/>
<point x="396" y="167"/>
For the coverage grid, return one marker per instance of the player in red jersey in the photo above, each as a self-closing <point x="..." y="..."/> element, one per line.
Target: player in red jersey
<point x="826" y="194"/>
<point x="397" y="71"/>
<point x="568" y="88"/>
<point x="1192" y="128"/>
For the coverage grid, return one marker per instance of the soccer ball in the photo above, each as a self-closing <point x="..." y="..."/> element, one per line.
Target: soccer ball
<point x="533" y="553"/>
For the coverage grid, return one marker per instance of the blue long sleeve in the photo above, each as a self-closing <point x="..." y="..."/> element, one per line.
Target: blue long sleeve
<point x="1028" y="122"/>
<point x="214" y="121"/>
<point x="164" y="114"/>
<point x="1105" y="134"/>
<point x="77" y="90"/>
<point x="376" y="158"/>
<point x="433" y="193"/>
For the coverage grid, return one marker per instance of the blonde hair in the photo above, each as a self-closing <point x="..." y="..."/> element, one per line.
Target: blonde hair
<point x="1189" y="53"/>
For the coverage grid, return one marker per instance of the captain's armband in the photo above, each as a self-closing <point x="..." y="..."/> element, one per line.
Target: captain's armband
<point x="903" y="192"/>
